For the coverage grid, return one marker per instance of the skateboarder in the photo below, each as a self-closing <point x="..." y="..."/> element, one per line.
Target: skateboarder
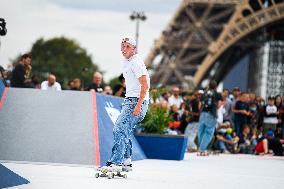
<point x="134" y="107"/>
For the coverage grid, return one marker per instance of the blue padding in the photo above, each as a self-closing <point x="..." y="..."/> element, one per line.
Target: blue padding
<point x="9" y="179"/>
<point x="163" y="147"/>
<point x="2" y="87"/>
<point x="108" y="108"/>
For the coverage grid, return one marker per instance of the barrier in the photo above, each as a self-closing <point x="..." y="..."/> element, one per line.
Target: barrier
<point x="2" y="87"/>
<point x="3" y="92"/>
<point x="59" y="127"/>
<point x="169" y="147"/>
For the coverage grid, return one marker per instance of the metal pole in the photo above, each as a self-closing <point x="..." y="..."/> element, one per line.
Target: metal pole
<point x="137" y="33"/>
<point x="137" y="16"/>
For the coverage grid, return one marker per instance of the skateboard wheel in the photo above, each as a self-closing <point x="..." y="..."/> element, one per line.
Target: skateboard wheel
<point x="97" y="175"/>
<point x="111" y="175"/>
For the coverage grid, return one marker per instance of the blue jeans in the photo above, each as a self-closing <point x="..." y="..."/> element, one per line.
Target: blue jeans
<point x="207" y="124"/>
<point x="191" y="132"/>
<point x="123" y="129"/>
<point x="222" y="145"/>
<point x="239" y="124"/>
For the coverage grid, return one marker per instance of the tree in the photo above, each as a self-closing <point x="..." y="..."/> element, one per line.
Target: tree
<point x="64" y="58"/>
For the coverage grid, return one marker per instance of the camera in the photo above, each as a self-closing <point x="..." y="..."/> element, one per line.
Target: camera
<point x="3" y="29"/>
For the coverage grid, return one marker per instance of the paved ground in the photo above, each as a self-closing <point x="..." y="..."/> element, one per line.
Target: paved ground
<point x="218" y="171"/>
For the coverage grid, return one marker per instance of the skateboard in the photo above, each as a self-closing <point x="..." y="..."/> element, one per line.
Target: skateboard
<point x="214" y="152"/>
<point x="110" y="174"/>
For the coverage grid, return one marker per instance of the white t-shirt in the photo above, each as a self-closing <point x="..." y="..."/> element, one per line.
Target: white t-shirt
<point x="220" y="114"/>
<point x="173" y="100"/>
<point x="56" y="86"/>
<point x="133" y="69"/>
<point x="271" y="110"/>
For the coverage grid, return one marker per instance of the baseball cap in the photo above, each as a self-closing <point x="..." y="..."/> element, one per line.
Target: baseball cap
<point x="129" y="40"/>
<point x="270" y="133"/>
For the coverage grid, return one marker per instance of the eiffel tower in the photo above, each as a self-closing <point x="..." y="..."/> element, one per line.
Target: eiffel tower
<point x="206" y="38"/>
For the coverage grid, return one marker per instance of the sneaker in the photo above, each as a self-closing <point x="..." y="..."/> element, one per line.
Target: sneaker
<point x="127" y="165"/>
<point x="116" y="168"/>
<point x="104" y="167"/>
<point x="110" y="167"/>
<point x="225" y="152"/>
<point x="127" y="168"/>
<point x="203" y="153"/>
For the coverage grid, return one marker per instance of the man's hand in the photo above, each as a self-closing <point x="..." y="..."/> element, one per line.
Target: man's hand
<point x="136" y="110"/>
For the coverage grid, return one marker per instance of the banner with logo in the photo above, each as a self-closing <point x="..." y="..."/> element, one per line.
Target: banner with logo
<point x="108" y="110"/>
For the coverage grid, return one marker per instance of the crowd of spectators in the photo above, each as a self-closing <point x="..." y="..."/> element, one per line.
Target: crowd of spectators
<point x="21" y="77"/>
<point x="246" y="123"/>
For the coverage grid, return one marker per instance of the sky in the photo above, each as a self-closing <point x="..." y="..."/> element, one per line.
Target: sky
<point x="98" y="26"/>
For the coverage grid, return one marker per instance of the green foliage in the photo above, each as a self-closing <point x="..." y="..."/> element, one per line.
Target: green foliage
<point x="62" y="57"/>
<point x="156" y="120"/>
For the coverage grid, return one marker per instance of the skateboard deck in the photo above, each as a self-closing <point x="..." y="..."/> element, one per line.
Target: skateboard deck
<point x="110" y="174"/>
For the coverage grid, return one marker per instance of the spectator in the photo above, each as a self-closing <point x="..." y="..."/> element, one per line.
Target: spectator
<point x="236" y="94"/>
<point x="227" y="103"/>
<point x="270" y="144"/>
<point x="211" y="100"/>
<point x="280" y="117"/>
<point x="175" y="117"/>
<point x="19" y="78"/>
<point x="97" y="83"/>
<point x="164" y="104"/>
<point x="51" y="84"/>
<point x="270" y="115"/>
<point x="76" y="85"/>
<point x="182" y="108"/>
<point x="165" y="96"/>
<point x="71" y="84"/>
<point x="35" y="82"/>
<point x="175" y="98"/>
<point x="247" y="141"/>
<point x="241" y="113"/>
<point x="260" y="104"/>
<point x="119" y="89"/>
<point x="254" y="110"/>
<point x="184" y="120"/>
<point x="220" y="114"/>
<point x="227" y="140"/>
<point x="4" y="76"/>
<point x="192" y="128"/>
<point x="107" y="90"/>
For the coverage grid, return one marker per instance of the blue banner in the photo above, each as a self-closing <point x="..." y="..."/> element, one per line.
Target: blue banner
<point x="108" y="110"/>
